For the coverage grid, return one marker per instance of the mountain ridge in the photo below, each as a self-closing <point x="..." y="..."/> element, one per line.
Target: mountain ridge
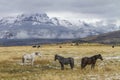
<point x="40" y="25"/>
<point x="106" y="38"/>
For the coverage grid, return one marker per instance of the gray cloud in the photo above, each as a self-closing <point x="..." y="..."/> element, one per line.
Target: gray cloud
<point x="97" y="8"/>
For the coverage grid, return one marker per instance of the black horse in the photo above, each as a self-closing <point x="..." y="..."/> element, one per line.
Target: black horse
<point x="38" y="46"/>
<point x="113" y="46"/>
<point x="34" y="46"/>
<point x="65" y="61"/>
<point x="90" y="61"/>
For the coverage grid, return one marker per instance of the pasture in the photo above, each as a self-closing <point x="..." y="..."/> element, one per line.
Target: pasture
<point x="45" y="68"/>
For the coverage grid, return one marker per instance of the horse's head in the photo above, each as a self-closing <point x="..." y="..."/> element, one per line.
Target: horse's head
<point x="38" y="54"/>
<point x="56" y="57"/>
<point x="100" y="57"/>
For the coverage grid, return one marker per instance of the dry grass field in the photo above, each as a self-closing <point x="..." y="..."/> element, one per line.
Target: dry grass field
<point x="45" y="68"/>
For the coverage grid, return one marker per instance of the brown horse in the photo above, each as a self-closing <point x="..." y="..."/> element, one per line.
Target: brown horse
<point x="90" y="61"/>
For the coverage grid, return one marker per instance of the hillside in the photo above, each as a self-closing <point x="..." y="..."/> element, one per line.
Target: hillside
<point x="106" y="38"/>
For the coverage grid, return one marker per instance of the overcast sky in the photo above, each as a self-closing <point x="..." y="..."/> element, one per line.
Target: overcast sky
<point x="83" y="9"/>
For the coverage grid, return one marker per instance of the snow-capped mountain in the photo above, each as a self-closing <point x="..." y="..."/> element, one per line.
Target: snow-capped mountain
<point x="39" y="25"/>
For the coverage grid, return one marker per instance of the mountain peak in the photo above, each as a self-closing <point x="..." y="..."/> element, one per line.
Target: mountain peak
<point x="33" y="17"/>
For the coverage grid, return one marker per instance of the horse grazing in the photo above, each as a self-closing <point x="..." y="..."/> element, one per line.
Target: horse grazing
<point x="65" y="61"/>
<point x="90" y="61"/>
<point x="30" y="57"/>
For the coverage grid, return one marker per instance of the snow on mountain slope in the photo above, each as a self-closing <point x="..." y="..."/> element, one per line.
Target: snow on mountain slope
<point x="7" y="20"/>
<point x="39" y="25"/>
<point x="40" y="18"/>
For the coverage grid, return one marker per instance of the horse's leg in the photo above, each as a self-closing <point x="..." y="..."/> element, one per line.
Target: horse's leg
<point x="83" y="66"/>
<point x="32" y="62"/>
<point x="62" y="66"/>
<point x="72" y="63"/>
<point x="23" y="60"/>
<point x="92" y="66"/>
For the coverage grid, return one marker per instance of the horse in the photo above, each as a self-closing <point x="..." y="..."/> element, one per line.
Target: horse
<point x="90" y="61"/>
<point x="64" y="61"/>
<point x="34" y="46"/>
<point x="113" y="46"/>
<point x="38" y="46"/>
<point x="60" y="46"/>
<point x="30" y="57"/>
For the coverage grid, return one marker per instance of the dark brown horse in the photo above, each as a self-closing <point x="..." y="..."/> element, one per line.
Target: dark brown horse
<point x="90" y="61"/>
<point x="113" y="46"/>
<point x="65" y="61"/>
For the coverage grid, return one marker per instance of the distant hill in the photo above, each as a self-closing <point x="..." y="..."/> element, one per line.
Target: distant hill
<point x="23" y="42"/>
<point x="106" y="38"/>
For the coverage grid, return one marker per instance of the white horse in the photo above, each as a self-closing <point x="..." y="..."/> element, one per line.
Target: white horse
<point x="30" y="57"/>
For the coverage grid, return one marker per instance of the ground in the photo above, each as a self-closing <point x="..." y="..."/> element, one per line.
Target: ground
<point x="45" y="68"/>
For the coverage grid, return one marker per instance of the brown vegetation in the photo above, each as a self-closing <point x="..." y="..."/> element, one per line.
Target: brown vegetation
<point x="46" y="68"/>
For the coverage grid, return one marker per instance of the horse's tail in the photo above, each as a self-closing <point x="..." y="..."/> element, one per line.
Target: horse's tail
<point x="71" y="63"/>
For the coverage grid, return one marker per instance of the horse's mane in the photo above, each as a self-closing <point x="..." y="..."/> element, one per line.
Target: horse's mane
<point x="95" y="56"/>
<point x="59" y="56"/>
